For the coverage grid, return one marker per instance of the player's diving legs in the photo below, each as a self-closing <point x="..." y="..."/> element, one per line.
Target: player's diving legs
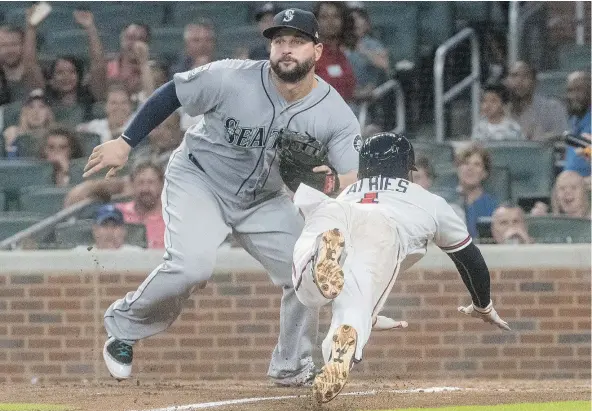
<point x="268" y="232"/>
<point x="369" y="269"/>
<point x="194" y="231"/>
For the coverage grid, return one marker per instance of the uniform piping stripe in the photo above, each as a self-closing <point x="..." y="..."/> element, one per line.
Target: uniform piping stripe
<point x="454" y="247"/>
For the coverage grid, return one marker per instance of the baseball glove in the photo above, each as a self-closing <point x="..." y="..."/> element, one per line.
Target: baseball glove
<point x="299" y="154"/>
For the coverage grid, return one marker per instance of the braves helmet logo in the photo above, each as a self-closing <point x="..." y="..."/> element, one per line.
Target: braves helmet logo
<point x="288" y="15"/>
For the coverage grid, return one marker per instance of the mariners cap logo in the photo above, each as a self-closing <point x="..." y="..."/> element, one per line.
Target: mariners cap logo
<point x="288" y="15"/>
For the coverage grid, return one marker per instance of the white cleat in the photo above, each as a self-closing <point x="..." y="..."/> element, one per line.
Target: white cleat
<point x="333" y="376"/>
<point x="118" y="358"/>
<point x="327" y="265"/>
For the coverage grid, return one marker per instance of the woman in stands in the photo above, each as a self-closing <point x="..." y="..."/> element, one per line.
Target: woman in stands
<point x="35" y="119"/>
<point x="60" y="146"/>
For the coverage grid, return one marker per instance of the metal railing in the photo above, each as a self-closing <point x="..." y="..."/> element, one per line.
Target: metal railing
<point x="377" y="94"/>
<point x="473" y="80"/>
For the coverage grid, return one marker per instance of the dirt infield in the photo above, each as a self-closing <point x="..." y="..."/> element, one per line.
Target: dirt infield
<point x="136" y="395"/>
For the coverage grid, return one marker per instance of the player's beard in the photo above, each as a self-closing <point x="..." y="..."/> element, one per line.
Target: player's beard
<point x="295" y="74"/>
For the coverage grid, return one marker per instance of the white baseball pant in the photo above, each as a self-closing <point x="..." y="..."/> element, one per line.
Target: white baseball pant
<point x="370" y="268"/>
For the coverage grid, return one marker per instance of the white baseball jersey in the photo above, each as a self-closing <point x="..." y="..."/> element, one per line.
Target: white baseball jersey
<point x="421" y="216"/>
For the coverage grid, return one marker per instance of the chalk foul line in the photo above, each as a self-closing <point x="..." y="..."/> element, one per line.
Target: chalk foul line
<point x="216" y="404"/>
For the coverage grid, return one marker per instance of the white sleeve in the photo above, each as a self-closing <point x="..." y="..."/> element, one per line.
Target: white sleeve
<point x="451" y="232"/>
<point x="307" y="199"/>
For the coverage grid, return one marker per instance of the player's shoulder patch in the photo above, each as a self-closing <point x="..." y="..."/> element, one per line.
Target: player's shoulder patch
<point x="357" y="143"/>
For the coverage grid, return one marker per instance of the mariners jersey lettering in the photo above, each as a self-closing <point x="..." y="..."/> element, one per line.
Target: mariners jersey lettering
<point x="419" y="215"/>
<point x="236" y="141"/>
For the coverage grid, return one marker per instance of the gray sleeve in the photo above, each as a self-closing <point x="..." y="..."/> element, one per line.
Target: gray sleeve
<point x="200" y="90"/>
<point x="345" y="143"/>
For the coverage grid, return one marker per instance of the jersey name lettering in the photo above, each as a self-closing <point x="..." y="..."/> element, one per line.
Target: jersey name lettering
<point x="248" y="137"/>
<point x="379" y="183"/>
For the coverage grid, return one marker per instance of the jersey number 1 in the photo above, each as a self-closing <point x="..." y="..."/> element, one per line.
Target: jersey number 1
<point x="369" y="198"/>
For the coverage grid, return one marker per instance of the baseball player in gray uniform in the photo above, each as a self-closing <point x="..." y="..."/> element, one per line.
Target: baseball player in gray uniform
<point x="225" y="178"/>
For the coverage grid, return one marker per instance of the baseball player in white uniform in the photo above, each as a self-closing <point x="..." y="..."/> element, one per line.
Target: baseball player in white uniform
<point x="353" y="247"/>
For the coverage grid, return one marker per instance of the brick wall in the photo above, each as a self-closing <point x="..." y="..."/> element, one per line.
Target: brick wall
<point x="50" y="328"/>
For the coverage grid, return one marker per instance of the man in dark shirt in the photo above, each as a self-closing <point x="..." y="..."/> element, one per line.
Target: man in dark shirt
<point x="264" y="19"/>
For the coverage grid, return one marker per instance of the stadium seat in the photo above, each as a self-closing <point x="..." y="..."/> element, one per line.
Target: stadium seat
<point x="88" y="141"/>
<point x="435" y="22"/>
<point x="14" y="222"/>
<point x="45" y="200"/>
<point x="397" y="26"/>
<point x="72" y="234"/>
<point x="66" y="42"/>
<point x="552" y="83"/>
<point x="167" y="42"/>
<point x="223" y="15"/>
<point x="243" y="36"/>
<point x="111" y="18"/>
<point x="472" y="11"/>
<point x="574" y="57"/>
<point x="556" y="229"/>
<point x="2" y="201"/>
<point x="530" y="165"/>
<point x="437" y="153"/>
<point x="16" y="174"/>
<point x="498" y="183"/>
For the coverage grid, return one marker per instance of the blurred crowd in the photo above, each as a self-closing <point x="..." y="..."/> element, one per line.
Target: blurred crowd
<point x="58" y="111"/>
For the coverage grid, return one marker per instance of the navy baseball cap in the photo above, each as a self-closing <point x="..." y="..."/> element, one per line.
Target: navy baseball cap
<point x="303" y="21"/>
<point x="109" y="212"/>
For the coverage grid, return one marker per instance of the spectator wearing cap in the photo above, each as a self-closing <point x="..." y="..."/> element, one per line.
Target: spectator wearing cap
<point x="118" y="109"/>
<point x="59" y="146"/>
<point x="495" y="123"/>
<point x="36" y="118"/>
<point x="473" y="168"/>
<point x="540" y="118"/>
<point x="508" y="226"/>
<point x="264" y="19"/>
<point x="109" y="230"/>
<point x="336" y="31"/>
<point x="578" y="107"/>
<point x="200" y="43"/>
<point x="147" y="180"/>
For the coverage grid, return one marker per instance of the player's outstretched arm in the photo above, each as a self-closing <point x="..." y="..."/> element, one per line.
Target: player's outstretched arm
<point x="474" y="272"/>
<point x="114" y="154"/>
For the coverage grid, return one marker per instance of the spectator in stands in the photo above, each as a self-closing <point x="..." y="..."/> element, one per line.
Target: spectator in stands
<point x="264" y="19"/>
<point x="473" y="168"/>
<point x="200" y="41"/>
<point x="571" y="195"/>
<point x="508" y="226"/>
<point x="161" y="142"/>
<point x="109" y="231"/>
<point x="495" y="123"/>
<point x="424" y="176"/>
<point x="132" y="67"/>
<point x="18" y="62"/>
<point x="59" y="146"/>
<point x="336" y="32"/>
<point x="578" y="107"/>
<point x="118" y="109"/>
<point x="35" y="119"/>
<point x="540" y="118"/>
<point x="368" y="56"/>
<point x="147" y="179"/>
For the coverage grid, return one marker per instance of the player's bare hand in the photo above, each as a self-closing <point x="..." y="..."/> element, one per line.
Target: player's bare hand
<point x="113" y="154"/>
<point x="382" y="323"/>
<point x="487" y="314"/>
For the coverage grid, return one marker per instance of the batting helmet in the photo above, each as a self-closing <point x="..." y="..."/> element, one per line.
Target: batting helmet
<point x="386" y="154"/>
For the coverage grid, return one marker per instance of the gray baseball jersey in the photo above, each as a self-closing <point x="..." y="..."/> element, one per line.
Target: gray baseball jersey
<point x="243" y="114"/>
<point x="224" y="178"/>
